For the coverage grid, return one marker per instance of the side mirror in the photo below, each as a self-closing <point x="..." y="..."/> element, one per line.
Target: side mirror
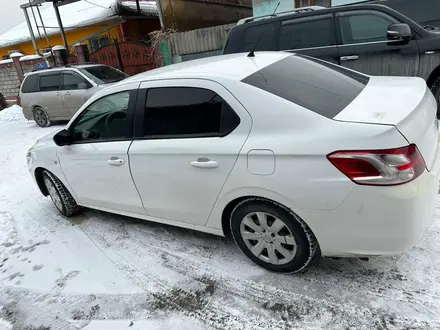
<point x="62" y="138"/>
<point x="399" y="31"/>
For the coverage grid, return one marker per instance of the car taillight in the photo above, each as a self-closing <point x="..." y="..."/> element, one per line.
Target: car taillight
<point x="380" y="167"/>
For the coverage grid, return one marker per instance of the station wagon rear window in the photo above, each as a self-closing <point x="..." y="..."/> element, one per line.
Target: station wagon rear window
<point x="319" y="86"/>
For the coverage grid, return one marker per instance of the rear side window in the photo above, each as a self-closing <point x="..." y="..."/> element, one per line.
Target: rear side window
<point x="174" y="112"/>
<point x="52" y="82"/>
<point x="315" y="85"/>
<point x="265" y="32"/>
<point x="30" y="84"/>
<point x="297" y="34"/>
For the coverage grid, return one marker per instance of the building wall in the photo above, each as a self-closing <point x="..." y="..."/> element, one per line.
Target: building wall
<point x="344" y="2"/>
<point x="73" y="37"/>
<point x="133" y="28"/>
<point x="187" y="15"/>
<point x="9" y="83"/>
<point x="266" y="7"/>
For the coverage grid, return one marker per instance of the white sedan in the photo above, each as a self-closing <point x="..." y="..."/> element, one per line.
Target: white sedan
<point x="294" y="157"/>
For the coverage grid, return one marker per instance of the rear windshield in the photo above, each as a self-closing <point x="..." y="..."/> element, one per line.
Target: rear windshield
<point x="30" y="84"/>
<point x="317" y="85"/>
<point x="103" y="74"/>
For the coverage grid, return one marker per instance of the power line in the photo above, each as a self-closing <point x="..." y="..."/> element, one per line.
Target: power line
<point x="96" y="4"/>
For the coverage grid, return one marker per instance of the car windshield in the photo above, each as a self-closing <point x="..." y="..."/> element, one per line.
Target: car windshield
<point x="102" y="74"/>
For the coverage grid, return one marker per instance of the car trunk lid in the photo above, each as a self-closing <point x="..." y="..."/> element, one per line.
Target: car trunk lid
<point x="405" y="103"/>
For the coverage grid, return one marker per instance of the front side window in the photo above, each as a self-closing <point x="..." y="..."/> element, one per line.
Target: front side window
<point x="175" y="112"/>
<point x="102" y="74"/>
<point x="365" y="27"/>
<point x="74" y="81"/>
<point x="51" y="82"/>
<point x="295" y="34"/>
<point x="106" y="119"/>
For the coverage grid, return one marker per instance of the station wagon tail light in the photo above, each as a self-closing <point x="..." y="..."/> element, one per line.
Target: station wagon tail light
<point x="380" y="167"/>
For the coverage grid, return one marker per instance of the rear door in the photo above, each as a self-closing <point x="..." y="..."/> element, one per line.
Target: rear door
<point x="50" y="97"/>
<point x="76" y="91"/>
<point x="364" y="45"/>
<point x="188" y="136"/>
<point x="313" y="36"/>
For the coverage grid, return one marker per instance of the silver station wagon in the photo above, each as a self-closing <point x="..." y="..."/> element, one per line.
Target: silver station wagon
<point x="57" y="93"/>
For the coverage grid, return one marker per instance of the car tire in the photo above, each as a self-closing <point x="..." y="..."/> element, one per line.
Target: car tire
<point x="59" y="194"/>
<point x="435" y="89"/>
<point x="40" y="117"/>
<point x="284" y="244"/>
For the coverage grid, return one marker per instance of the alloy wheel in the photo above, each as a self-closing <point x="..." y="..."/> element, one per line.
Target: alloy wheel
<point x="268" y="238"/>
<point x="40" y="117"/>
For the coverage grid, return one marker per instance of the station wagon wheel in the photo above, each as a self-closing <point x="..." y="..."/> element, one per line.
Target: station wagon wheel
<point x="41" y="117"/>
<point x="272" y="236"/>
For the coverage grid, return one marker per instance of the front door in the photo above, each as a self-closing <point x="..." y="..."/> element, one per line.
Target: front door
<point x="76" y="91"/>
<point x="312" y="36"/>
<point x="364" y="45"/>
<point x="96" y="164"/>
<point x="187" y="142"/>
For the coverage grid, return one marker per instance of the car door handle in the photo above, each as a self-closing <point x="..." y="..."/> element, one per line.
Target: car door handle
<point x="58" y="93"/>
<point x="67" y="93"/>
<point x="115" y="161"/>
<point x="204" y="163"/>
<point x="349" y="58"/>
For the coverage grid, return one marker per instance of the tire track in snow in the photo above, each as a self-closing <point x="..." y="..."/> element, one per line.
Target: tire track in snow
<point x="319" y="308"/>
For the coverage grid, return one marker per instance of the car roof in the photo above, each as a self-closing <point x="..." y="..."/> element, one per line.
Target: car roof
<point x="298" y="13"/>
<point x="231" y="67"/>
<point x="66" y="67"/>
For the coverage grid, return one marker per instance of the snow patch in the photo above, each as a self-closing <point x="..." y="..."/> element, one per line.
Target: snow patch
<point x="6" y="61"/>
<point x="30" y="57"/>
<point x="13" y="113"/>
<point x="13" y="55"/>
<point x="147" y="7"/>
<point x="58" y="48"/>
<point x="5" y="325"/>
<point x="173" y="321"/>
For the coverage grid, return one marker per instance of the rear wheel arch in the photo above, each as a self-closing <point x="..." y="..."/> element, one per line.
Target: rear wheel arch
<point x="304" y="236"/>
<point x="434" y="78"/>
<point x="229" y="208"/>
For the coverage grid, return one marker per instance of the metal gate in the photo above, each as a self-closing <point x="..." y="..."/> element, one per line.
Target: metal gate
<point x="130" y="57"/>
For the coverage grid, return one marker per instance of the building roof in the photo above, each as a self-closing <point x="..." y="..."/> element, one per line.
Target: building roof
<point x="74" y="15"/>
<point x="232" y="67"/>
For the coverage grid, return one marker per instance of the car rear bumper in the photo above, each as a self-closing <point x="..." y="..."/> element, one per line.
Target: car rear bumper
<point x="378" y="220"/>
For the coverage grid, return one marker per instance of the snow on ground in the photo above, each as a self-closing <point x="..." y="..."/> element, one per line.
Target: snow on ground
<point x="99" y="271"/>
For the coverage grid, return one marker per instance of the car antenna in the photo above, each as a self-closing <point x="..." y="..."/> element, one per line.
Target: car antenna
<point x="252" y="52"/>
